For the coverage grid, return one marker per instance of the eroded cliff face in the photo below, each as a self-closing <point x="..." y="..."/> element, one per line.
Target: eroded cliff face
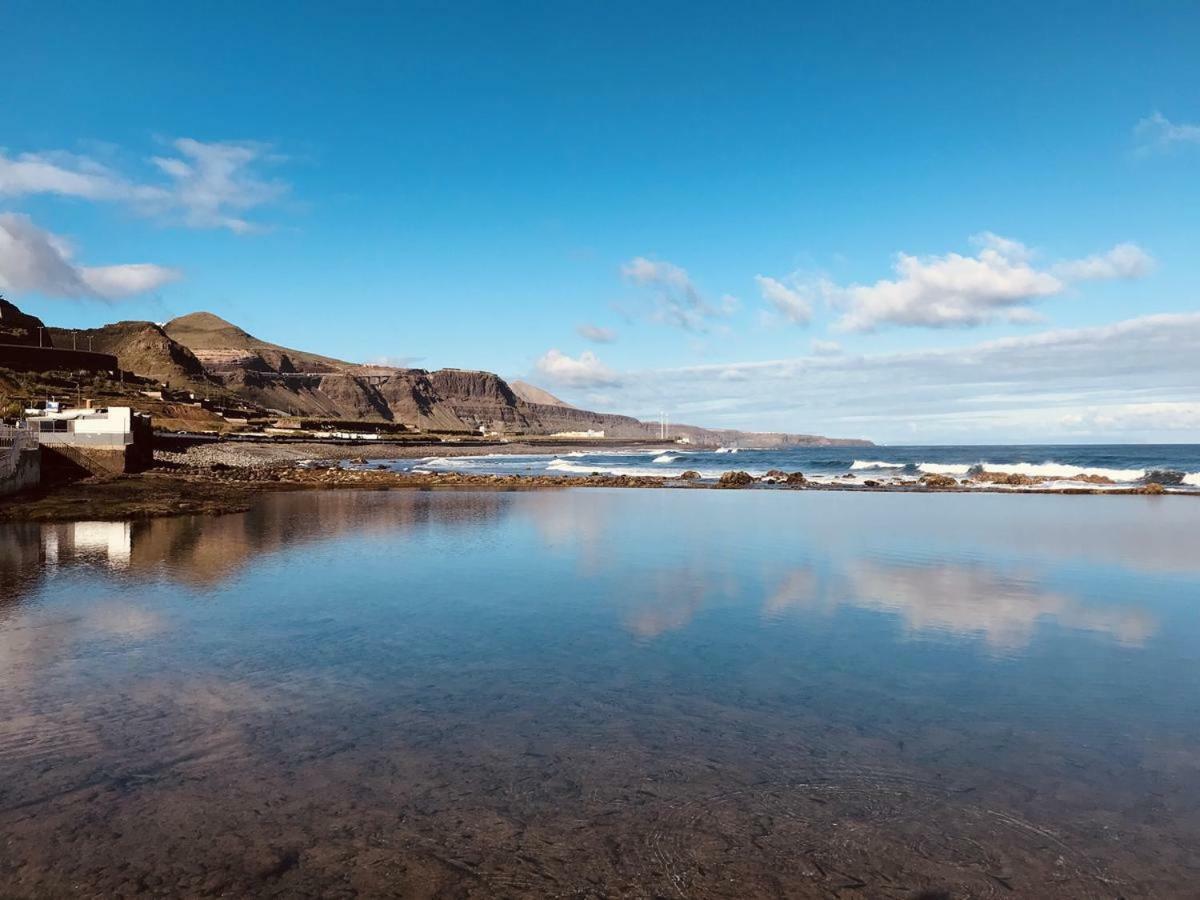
<point x="204" y="351"/>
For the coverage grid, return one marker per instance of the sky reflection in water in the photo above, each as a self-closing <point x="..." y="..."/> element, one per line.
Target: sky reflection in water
<point x="610" y="658"/>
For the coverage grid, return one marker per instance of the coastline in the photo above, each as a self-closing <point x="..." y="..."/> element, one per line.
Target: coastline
<point x="173" y="489"/>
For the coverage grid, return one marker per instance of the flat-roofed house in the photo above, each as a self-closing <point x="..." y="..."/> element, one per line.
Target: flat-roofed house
<point x="107" y="439"/>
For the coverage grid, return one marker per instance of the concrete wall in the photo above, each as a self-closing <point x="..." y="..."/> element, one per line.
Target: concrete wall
<point x="64" y="462"/>
<point x="21" y="469"/>
<point x="47" y="359"/>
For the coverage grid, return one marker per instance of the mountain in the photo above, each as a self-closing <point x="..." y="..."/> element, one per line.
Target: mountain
<point x="222" y="346"/>
<point x="531" y="394"/>
<point x="140" y="347"/>
<point x="214" y="357"/>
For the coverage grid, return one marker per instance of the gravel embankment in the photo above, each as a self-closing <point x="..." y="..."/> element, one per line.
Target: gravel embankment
<point x="239" y="454"/>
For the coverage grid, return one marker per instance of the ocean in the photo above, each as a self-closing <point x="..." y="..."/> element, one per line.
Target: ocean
<point x="1176" y="466"/>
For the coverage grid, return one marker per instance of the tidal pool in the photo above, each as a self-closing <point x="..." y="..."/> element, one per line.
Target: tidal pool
<point x="598" y="693"/>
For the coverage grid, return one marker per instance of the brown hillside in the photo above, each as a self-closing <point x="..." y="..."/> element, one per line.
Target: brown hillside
<point x="222" y="346"/>
<point x="533" y="394"/>
<point x="142" y="348"/>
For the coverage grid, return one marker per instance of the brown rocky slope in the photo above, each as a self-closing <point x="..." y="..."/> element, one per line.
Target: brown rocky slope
<point x="447" y="400"/>
<point x="140" y="347"/>
<point x="206" y="353"/>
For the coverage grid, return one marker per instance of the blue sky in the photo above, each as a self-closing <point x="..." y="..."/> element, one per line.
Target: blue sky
<point x="844" y="219"/>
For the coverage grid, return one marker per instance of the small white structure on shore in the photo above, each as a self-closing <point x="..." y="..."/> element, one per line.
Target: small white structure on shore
<point x="111" y="426"/>
<point x="112" y="438"/>
<point x="578" y="434"/>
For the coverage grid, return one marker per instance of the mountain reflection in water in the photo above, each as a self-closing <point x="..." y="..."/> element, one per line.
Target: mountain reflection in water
<point x="615" y="692"/>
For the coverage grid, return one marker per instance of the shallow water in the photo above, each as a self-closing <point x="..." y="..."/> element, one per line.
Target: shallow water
<point x="606" y="693"/>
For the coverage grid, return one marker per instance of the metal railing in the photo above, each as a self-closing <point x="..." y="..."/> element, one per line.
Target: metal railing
<point x="85" y="439"/>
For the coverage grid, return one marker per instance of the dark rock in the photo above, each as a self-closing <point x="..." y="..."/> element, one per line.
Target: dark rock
<point x="938" y="481"/>
<point x="690" y="475"/>
<point x="1164" y="477"/>
<point x="795" y="478"/>
<point x="736" y="479"/>
<point x="1152" y="488"/>
<point x="1012" y="479"/>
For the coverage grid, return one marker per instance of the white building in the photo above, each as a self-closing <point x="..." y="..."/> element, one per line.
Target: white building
<point x="112" y="426"/>
<point x="102" y="440"/>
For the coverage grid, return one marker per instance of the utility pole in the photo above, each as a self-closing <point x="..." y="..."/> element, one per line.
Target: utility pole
<point x="40" y="330"/>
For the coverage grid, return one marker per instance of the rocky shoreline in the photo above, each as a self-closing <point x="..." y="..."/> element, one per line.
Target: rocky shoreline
<point x="230" y="484"/>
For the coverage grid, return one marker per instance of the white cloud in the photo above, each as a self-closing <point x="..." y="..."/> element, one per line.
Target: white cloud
<point x="215" y="184"/>
<point x="35" y="261"/>
<point x="794" y="305"/>
<point x="64" y="174"/>
<point x="956" y="291"/>
<point x="678" y="301"/>
<point x="596" y="334"/>
<point x="126" y="280"/>
<point x="825" y="348"/>
<point x="1133" y="380"/>
<point x="1158" y="133"/>
<point x="394" y="362"/>
<point x="207" y="185"/>
<point x="584" y="371"/>
<point x="1122" y="261"/>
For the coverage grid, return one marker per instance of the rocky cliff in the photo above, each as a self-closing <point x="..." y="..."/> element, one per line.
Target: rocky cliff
<point x="204" y="352"/>
<point x="447" y="400"/>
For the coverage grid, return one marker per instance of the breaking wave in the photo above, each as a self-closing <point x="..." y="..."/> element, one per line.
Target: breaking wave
<point x="1064" y="472"/>
<point x="562" y="465"/>
<point x="950" y="469"/>
<point x="874" y="464"/>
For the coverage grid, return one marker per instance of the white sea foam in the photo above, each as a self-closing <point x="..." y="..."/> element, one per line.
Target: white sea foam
<point x="874" y="464"/>
<point x="665" y="458"/>
<point x="1063" y="472"/>
<point x="1192" y="479"/>
<point x="562" y="465"/>
<point x="944" y="469"/>
<point x="436" y="461"/>
<point x="726" y="450"/>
